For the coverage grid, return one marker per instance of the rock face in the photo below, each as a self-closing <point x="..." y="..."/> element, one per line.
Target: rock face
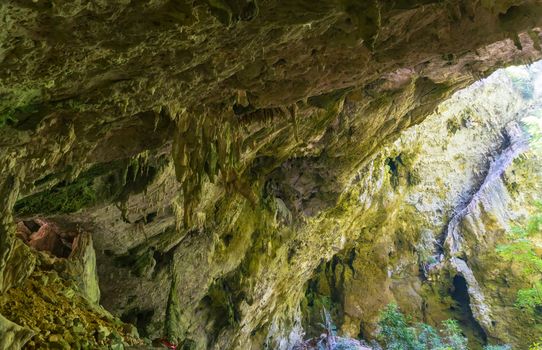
<point x="13" y="336"/>
<point x="446" y="193"/>
<point x="53" y="300"/>
<point x="219" y="153"/>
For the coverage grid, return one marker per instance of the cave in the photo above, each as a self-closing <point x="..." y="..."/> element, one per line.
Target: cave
<point x="460" y="295"/>
<point x="264" y="174"/>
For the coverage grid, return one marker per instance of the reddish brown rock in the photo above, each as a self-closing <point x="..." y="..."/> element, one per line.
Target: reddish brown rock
<point x="23" y="232"/>
<point x="48" y="239"/>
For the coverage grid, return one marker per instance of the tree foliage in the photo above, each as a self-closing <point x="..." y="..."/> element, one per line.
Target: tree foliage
<point x="522" y="249"/>
<point x="398" y="333"/>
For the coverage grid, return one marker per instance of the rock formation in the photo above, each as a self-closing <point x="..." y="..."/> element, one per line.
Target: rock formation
<point x="205" y="161"/>
<point x="450" y="190"/>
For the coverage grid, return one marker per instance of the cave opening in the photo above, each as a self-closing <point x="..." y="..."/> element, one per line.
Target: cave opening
<point x="463" y="311"/>
<point x="141" y="318"/>
<point x="511" y="156"/>
<point x="264" y="174"/>
<point x="394" y="164"/>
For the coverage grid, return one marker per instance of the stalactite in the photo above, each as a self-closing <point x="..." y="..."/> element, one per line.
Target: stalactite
<point x="205" y="146"/>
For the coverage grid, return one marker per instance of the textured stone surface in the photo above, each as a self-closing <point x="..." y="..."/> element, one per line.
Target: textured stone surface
<point x="209" y="146"/>
<point x="457" y="173"/>
<point x="13" y="335"/>
<point x="54" y="307"/>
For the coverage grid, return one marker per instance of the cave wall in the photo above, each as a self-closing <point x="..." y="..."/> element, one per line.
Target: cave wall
<point x="208" y="147"/>
<point x="437" y="173"/>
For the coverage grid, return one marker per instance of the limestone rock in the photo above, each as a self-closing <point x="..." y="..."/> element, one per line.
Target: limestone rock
<point x="85" y="257"/>
<point x="13" y="336"/>
<point x="221" y="152"/>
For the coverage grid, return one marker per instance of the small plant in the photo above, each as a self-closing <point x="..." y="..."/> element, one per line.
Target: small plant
<point x="397" y="333"/>
<point x="452" y="335"/>
<point x="536" y="346"/>
<point x="497" y="347"/>
<point x="429" y="337"/>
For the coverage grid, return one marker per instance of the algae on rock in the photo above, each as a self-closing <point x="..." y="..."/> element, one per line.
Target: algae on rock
<point x="212" y="145"/>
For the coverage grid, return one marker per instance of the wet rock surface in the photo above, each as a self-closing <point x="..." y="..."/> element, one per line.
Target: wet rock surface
<point x="206" y="150"/>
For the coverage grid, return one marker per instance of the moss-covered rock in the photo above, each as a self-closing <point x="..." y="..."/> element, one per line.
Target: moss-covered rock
<point x="211" y="145"/>
<point x="57" y="306"/>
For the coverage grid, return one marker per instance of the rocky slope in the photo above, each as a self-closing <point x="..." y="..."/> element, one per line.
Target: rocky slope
<point x="208" y="148"/>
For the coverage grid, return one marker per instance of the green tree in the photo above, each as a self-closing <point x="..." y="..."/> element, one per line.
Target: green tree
<point x="397" y="333"/>
<point x="521" y="249"/>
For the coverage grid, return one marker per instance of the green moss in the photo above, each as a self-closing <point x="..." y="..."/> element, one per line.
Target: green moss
<point x="60" y="199"/>
<point x="7" y="118"/>
<point x="16" y="104"/>
<point x="174" y="325"/>
<point x="222" y="297"/>
<point x="68" y="197"/>
<point x="12" y="116"/>
<point x="108" y="181"/>
<point x="61" y="316"/>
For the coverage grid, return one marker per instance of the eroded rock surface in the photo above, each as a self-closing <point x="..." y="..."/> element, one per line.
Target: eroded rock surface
<point x="208" y="147"/>
<point x="452" y="188"/>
